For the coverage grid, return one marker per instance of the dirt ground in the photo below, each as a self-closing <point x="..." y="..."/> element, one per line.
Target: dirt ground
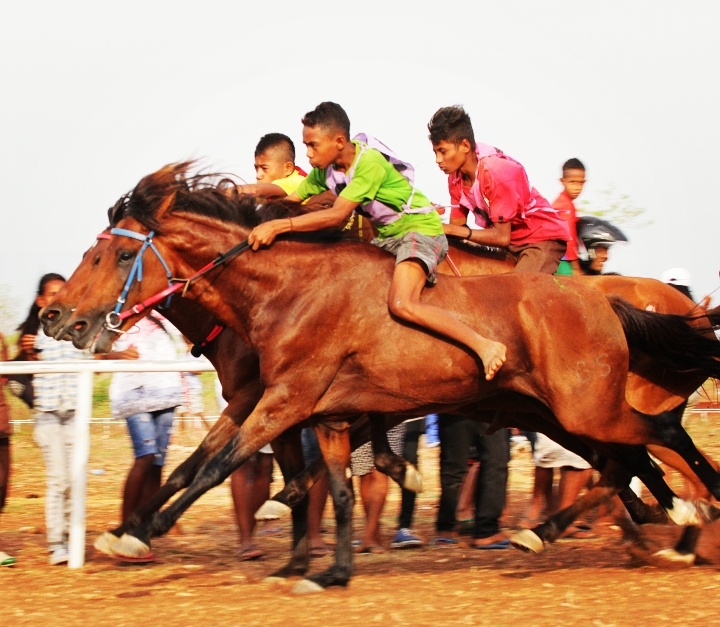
<point x="197" y="579"/>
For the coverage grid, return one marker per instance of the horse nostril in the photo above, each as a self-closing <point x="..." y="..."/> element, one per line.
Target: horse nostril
<point x="79" y="326"/>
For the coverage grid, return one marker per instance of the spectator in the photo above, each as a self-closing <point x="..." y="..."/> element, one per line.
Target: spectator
<point x="147" y="402"/>
<point x="54" y="418"/>
<point x="457" y="435"/>
<point x="374" y="489"/>
<point x="404" y="536"/>
<point x="249" y="488"/>
<point x="5" y="433"/>
<point x="573" y="181"/>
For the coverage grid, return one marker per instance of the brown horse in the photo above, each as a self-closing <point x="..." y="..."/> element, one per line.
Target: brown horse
<point x="237" y="366"/>
<point x="470" y="259"/>
<point x="345" y="377"/>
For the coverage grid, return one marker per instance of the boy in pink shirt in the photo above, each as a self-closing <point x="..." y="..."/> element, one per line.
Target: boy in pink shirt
<point x="495" y="187"/>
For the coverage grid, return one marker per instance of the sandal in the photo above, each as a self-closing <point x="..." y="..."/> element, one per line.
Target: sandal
<point x="149" y="558"/>
<point x="370" y="549"/>
<point x="443" y="541"/>
<point x="7" y="560"/>
<point x="578" y="532"/>
<point x="319" y="551"/>
<point x="250" y="554"/>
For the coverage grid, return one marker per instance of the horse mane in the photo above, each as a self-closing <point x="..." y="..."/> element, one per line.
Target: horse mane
<point x="174" y="189"/>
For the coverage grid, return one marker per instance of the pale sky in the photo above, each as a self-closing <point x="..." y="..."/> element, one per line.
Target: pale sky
<point x="97" y="95"/>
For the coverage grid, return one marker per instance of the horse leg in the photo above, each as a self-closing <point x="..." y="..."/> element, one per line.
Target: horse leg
<point x="684" y="551"/>
<point x="289" y="454"/>
<point x="335" y="446"/>
<point x="180" y="478"/>
<point x="394" y="466"/>
<point x="674" y="437"/>
<point x="612" y="479"/>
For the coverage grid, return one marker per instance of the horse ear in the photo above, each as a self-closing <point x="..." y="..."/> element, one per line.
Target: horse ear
<point x="165" y="205"/>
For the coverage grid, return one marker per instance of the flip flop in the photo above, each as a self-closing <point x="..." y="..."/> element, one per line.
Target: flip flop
<point x="7" y="560"/>
<point x="578" y="533"/>
<point x="319" y="551"/>
<point x="370" y="550"/>
<point x="500" y="544"/>
<point x="143" y="559"/>
<point x="443" y="541"/>
<point x="250" y="554"/>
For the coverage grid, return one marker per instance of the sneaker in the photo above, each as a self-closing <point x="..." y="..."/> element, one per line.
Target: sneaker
<point x="59" y="556"/>
<point x="404" y="539"/>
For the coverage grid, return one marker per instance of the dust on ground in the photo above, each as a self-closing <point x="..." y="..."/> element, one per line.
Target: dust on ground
<point x="198" y="580"/>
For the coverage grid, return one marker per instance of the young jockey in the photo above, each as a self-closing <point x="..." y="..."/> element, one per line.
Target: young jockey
<point x="275" y="169"/>
<point x="495" y="188"/>
<point x="408" y="225"/>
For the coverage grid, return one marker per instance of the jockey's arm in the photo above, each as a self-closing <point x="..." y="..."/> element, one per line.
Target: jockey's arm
<point x="335" y="216"/>
<point x="265" y="190"/>
<point x="497" y="235"/>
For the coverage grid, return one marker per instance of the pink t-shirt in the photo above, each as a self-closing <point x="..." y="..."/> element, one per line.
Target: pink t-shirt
<point x="502" y="193"/>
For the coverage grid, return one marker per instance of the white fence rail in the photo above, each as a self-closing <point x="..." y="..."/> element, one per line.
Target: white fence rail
<point x="83" y="413"/>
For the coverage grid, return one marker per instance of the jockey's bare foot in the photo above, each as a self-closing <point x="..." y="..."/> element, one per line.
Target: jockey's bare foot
<point x="493" y="355"/>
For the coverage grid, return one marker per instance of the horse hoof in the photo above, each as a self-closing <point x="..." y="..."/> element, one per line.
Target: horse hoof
<point x="670" y="558"/>
<point x="130" y="546"/>
<point x="106" y="543"/>
<point x="527" y="540"/>
<point x="684" y="513"/>
<point x="272" y="510"/>
<point x="306" y="586"/>
<point x="413" y="480"/>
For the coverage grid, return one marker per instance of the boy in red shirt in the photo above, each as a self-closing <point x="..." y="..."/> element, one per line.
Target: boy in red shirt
<point x="495" y="187"/>
<point x="573" y="180"/>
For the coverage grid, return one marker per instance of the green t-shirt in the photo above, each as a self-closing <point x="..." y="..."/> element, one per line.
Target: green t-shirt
<point x="375" y="178"/>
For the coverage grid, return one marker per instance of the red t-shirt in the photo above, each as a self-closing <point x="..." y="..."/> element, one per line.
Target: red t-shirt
<point x="502" y="193"/>
<point x="564" y="204"/>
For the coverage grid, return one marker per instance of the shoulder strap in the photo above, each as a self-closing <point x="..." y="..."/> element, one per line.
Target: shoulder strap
<point x="403" y="167"/>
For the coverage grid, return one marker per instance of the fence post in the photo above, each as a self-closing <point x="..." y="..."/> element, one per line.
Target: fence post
<point x="79" y="468"/>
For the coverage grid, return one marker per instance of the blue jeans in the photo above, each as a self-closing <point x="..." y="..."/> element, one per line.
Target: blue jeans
<point x="150" y="433"/>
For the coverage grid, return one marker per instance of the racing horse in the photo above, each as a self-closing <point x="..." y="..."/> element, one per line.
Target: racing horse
<point x="655" y="390"/>
<point x="347" y="377"/>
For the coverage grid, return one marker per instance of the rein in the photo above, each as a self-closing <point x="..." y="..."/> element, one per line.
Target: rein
<point x="114" y="319"/>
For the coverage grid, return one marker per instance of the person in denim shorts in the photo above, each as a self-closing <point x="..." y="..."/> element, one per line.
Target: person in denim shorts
<point x="147" y="402"/>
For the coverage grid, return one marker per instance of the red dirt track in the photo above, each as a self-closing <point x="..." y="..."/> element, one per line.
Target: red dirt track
<point x="197" y="579"/>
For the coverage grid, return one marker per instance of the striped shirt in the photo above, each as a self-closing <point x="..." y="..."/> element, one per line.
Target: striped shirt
<point x="56" y="392"/>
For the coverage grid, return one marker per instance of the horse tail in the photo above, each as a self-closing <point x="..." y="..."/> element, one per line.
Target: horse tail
<point x="669" y="339"/>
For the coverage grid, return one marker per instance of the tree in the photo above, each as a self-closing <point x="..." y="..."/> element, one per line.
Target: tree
<point x="616" y="208"/>
<point x="8" y="311"/>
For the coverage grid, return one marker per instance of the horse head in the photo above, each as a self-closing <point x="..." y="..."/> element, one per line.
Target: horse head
<point x="116" y="272"/>
<point x="144" y="250"/>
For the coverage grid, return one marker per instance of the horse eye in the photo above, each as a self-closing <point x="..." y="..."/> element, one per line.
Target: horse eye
<point x="126" y="255"/>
